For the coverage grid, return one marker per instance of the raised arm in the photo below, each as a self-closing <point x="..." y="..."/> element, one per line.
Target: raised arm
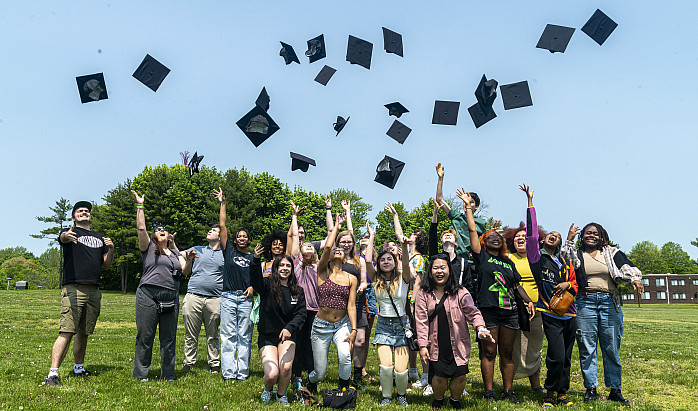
<point x="293" y="240"/>
<point x="370" y="271"/>
<point x="143" y="239"/>
<point x="346" y="205"/>
<point x="325" y="258"/>
<point x="532" y="247"/>
<point x="222" y="217"/>
<point x="257" y="280"/>
<point x="472" y="228"/>
<point x="396" y="221"/>
<point x="568" y="249"/>
<point x="433" y="242"/>
<point x="328" y="214"/>
<point x="406" y="267"/>
<point x="439" y="188"/>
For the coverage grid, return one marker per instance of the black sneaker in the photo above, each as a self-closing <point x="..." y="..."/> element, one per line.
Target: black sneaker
<point x="84" y="373"/>
<point x="311" y="386"/>
<point x="214" y="370"/>
<point x="538" y="391"/>
<point x="591" y="395"/>
<point x="437" y="404"/>
<point x="53" y="380"/>
<point x="510" y="395"/>
<point x="616" y="396"/>
<point x="489" y="395"/>
<point x="186" y="368"/>
<point x="455" y="404"/>
<point x="358" y="383"/>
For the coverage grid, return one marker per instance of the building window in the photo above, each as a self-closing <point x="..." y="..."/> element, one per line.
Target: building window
<point x="645" y="281"/>
<point x="678" y="282"/>
<point x="695" y="282"/>
<point x="678" y="296"/>
<point x="645" y="295"/>
<point x="628" y="296"/>
<point x="661" y="295"/>
<point x="659" y="282"/>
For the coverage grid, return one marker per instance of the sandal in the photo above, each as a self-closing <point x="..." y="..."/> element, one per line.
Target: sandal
<point x="564" y="401"/>
<point x="548" y="403"/>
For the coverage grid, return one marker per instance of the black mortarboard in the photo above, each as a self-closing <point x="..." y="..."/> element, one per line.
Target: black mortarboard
<point x="288" y="53"/>
<point x="486" y="91"/>
<point x="194" y="164"/>
<point x="92" y="87"/>
<point x="316" y="48"/>
<point x="257" y="125"/>
<point x="339" y="125"/>
<point x="445" y="112"/>
<point x="555" y="38"/>
<point x="299" y="162"/>
<point x="325" y="75"/>
<point x="480" y="114"/>
<point x="392" y="42"/>
<point x="516" y="95"/>
<point x="151" y="73"/>
<point x="399" y="132"/>
<point x="359" y="52"/>
<point x="388" y="171"/>
<point x="263" y="99"/>
<point x="396" y="109"/>
<point x="599" y="27"/>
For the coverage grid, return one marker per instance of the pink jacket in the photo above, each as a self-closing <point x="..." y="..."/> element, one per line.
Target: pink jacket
<point x="460" y="309"/>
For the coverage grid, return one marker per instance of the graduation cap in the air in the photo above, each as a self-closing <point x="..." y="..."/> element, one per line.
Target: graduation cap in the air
<point x="599" y="27"/>
<point x="300" y="162"/>
<point x="339" y="125"/>
<point x="316" y="49"/>
<point x="445" y="112"/>
<point x="263" y="99"/>
<point x="325" y="75"/>
<point x="486" y="92"/>
<point x="359" y="52"/>
<point x="257" y="125"/>
<point x="288" y="53"/>
<point x="399" y="132"/>
<point x="555" y="38"/>
<point x="388" y="171"/>
<point x="392" y="42"/>
<point x="396" y="109"/>
<point x="194" y="164"/>
<point x="92" y="87"/>
<point x="516" y="95"/>
<point x="480" y="114"/>
<point x="151" y="72"/>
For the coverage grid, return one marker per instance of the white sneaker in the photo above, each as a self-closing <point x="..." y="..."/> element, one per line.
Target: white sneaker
<point x="427" y="390"/>
<point x="417" y="384"/>
<point x="465" y="392"/>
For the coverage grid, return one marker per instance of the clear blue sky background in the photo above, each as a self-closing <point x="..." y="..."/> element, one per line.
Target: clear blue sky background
<point x="611" y="136"/>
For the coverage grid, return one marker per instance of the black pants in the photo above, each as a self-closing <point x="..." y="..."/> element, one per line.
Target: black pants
<point x="147" y="321"/>
<point x="303" y="361"/>
<point x="560" y="335"/>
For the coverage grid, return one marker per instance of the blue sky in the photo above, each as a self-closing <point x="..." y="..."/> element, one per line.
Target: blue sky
<point x="610" y="137"/>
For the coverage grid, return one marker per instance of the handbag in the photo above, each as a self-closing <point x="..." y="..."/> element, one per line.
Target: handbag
<point x="339" y="398"/>
<point x="409" y="335"/>
<point x="524" y="323"/>
<point x="305" y="397"/>
<point x="560" y="303"/>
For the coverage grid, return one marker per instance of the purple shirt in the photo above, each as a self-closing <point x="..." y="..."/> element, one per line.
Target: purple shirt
<point x="307" y="280"/>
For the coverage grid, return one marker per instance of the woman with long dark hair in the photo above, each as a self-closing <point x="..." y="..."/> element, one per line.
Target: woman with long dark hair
<point x="498" y="279"/>
<point x="443" y="310"/>
<point x="600" y="267"/>
<point x="282" y="314"/>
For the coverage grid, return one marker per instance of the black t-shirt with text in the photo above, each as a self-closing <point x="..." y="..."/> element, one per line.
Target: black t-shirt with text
<point x="236" y="269"/>
<point x="497" y="277"/>
<point x="82" y="261"/>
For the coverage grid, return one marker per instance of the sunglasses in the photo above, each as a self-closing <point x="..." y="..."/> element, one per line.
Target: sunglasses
<point x="158" y="229"/>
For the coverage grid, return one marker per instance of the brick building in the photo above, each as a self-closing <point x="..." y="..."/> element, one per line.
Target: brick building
<point x="667" y="289"/>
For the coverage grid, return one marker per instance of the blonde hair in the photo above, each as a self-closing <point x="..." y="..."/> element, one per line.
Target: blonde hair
<point x="383" y="277"/>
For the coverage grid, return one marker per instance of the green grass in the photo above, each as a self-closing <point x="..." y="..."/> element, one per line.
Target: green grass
<point x="659" y="355"/>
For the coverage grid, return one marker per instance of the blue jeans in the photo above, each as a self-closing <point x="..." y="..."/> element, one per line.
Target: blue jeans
<point x="599" y="324"/>
<point x="236" y="335"/>
<point x="323" y="333"/>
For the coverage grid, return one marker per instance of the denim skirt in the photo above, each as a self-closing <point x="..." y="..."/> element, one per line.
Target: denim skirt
<point x="389" y="331"/>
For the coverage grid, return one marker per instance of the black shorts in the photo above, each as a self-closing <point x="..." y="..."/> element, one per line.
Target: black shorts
<point x="446" y="370"/>
<point x="270" y="339"/>
<point x="495" y="316"/>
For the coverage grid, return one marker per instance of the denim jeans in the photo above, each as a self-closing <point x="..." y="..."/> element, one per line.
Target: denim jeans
<point x="236" y="335"/>
<point x="599" y="323"/>
<point x="323" y="333"/>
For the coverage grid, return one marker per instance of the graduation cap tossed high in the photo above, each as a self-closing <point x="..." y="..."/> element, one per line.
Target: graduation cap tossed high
<point x="339" y="125"/>
<point x="399" y="132"/>
<point x="194" y="164"/>
<point x="359" y="52"/>
<point x="300" y="162"/>
<point x="392" y="42"/>
<point x="288" y="53"/>
<point x="151" y="73"/>
<point x="599" y="27"/>
<point x="92" y="87"/>
<point x="516" y="95"/>
<point x="316" y="49"/>
<point x="388" y="171"/>
<point x="486" y="92"/>
<point x="263" y="99"/>
<point x="396" y="109"/>
<point x="325" y="75"/>
<point x="257" y="125"/>
<point x="480" y="114"/>
<point x="555" y="38"/>
<point x="445" y="112"/>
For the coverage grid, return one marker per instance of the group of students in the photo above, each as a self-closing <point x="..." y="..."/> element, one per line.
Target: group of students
<point x="500" y="284"/>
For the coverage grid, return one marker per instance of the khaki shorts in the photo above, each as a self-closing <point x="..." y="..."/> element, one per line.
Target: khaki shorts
<point x="80" y="305"/>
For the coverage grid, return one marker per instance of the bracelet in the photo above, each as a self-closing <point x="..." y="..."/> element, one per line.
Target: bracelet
<point x="326" y="208"/>
<point x="139" y="206"/>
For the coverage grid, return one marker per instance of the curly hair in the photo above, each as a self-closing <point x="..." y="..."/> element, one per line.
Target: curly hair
<point x="269" y="239"/>
<point x="421" y="242"/>
<point x="511" y="232"/>
<point x="275" y="280"/>
<point x="603" y="236"/>
<point x="502" y="251"/>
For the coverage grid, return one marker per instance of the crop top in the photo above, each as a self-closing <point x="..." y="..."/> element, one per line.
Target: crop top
<point x="332" y="295"/>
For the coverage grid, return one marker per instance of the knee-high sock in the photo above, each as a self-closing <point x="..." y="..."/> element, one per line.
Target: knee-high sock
<point x="386" y="378"/>
<point x="401" y="382"/>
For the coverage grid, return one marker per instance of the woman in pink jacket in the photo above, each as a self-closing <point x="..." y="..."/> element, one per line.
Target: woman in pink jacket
<point x="443" y="310"/>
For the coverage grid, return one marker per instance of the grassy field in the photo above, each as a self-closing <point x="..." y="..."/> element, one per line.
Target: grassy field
<point x="659" y="355"/>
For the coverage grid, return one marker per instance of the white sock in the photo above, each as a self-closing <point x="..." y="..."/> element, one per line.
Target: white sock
<point x="52" y="372"/>
<point x="78" y="368"/>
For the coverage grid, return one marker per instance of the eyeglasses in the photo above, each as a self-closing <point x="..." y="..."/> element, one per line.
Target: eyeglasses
<point x="346" y="242"/>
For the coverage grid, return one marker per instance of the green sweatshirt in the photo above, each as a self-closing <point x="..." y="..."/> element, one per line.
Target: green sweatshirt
<point x="459" y="224"/>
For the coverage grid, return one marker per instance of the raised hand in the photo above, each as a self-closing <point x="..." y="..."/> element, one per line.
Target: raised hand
<point x="390" y="208"/>
<point x="341" y="218"/>
<point x="328" y="202"/>
<point x="574" y="230"/>
<point x="139" y="199"/>
<point x="258" y="250"/>
<point x="190" y="255"/>
<point x="526" y="189"/>
<point x="219" y="194"/>
<point x="437" y="206"/>
<point x="346" y="205"/>
<point x="440" y="170"/>
<point x="369" y="230"/>
<point x="465" y="196"/>
<point x="295" y="209"/>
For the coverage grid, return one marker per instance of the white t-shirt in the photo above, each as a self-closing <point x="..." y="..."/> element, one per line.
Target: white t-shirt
<point x="385" y="308"/>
